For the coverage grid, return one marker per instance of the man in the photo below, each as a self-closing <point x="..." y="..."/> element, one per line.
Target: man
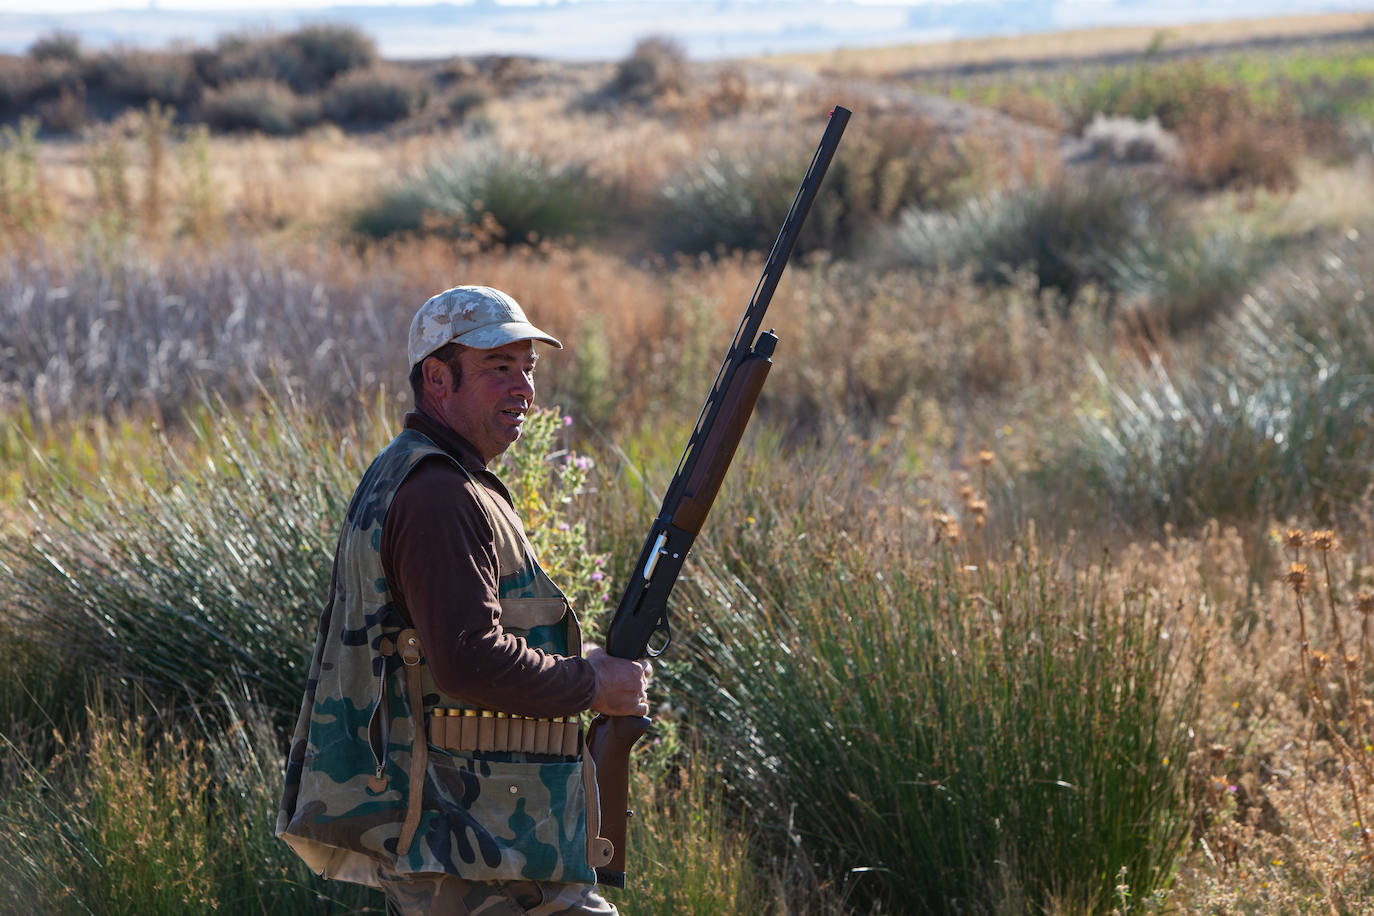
<point x="438" y="753"/>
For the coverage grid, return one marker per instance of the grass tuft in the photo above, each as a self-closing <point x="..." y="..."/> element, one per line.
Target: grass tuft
<point x="954" y="735"/>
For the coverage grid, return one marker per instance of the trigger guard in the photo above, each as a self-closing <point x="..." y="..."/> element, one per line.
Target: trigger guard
<point x="660" y="627"/>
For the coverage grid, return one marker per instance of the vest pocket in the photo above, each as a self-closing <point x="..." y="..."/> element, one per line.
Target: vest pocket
<point x="502" y="821"/>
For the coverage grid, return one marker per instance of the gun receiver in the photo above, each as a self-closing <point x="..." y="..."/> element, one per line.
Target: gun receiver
<point x="642" y="613"/>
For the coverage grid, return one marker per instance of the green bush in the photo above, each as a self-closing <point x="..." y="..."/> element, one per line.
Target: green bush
<point x="138" y="76"/>
<point x="729" y="202"/>
<point x="1069" y="234"/>
<point x="57" y="45"/>
<point x="494" y="195"/>
<point x="989" y="738"/>
<point x="329" y="51"/>
<point x="1184" y="281"/>
<point x="307" y="60"/>
<point x="251" y="105"/>
<point x="377" y="95"/>
<point x="1174" y="93"/>
<point x="737" y="199"/>
<point x="1277" y="423"/>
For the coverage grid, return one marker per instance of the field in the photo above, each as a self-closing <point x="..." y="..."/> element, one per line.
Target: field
<point x="1043" y="582"/>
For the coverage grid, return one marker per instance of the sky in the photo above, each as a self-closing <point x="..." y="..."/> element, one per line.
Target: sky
<point x="607" y="29"/>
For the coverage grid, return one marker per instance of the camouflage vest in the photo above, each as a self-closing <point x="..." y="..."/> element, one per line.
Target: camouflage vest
<point x="481" y="816"/>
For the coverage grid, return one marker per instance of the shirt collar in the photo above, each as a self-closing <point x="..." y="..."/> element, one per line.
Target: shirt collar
<point x="446" y="438"/>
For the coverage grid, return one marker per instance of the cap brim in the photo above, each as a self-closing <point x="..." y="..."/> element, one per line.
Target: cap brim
<point x="492" y="336"/>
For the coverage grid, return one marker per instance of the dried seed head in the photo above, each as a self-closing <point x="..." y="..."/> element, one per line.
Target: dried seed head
<point x="978" y="506"/>
<point x="986" y="456"/>
<point x="1352" y="661"/>
<point x="1364" y="602"/>
<point x="1324" y="539"/>
<point x="1294" y="538"/>
<point x="966" y="493"/>
<point x="1297" y="577"/>
<point x="1320" y="660"/>
<point x="1218" y="751"/>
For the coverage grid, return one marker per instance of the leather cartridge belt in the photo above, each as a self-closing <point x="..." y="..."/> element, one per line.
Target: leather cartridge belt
<point x="487" y="730"/>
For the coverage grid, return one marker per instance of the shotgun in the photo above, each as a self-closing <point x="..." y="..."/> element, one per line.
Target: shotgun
<point x="640" y="624"/>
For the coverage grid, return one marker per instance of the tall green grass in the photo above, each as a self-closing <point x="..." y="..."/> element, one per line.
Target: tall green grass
<point x="141" y="813"/>
<point x="953" y="738"/>
<point x="214" y="570"/>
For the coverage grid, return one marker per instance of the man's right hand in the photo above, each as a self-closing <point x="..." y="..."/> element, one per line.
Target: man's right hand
<point x="621" y="685"/>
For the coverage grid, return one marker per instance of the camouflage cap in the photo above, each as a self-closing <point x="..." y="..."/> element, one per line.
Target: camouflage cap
<point x="475" y="316"/>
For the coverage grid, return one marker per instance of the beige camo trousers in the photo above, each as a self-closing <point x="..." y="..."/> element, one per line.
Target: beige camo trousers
<point x="445" y="895"/>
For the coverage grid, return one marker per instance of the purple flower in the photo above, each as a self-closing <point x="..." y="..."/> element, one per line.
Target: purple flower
<point x="598" y="576"/>
<point x="567" y="421"/>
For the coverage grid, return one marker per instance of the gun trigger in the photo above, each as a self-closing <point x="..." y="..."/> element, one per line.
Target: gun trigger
<point x="661" y="627"/>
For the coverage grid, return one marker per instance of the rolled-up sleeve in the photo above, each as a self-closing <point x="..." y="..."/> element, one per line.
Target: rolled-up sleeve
<point x="440" y="563"/>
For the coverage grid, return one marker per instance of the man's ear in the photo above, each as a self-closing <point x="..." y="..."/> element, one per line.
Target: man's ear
<point x="437" y="375"/>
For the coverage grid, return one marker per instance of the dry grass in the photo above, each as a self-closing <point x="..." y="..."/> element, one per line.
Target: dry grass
<point x="260" y="184"/>
<point x="1068" y="45"/>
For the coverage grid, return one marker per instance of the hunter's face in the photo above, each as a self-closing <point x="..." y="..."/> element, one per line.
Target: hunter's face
<point x="494" y="395"/>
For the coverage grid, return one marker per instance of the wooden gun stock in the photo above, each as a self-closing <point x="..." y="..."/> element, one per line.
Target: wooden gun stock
<point x="610" y="739"/>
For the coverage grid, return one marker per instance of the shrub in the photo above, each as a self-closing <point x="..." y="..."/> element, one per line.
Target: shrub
<point x="890" y="163"/>
<point x="727" y="201"/>
<point x="307" y="60"/>
<point x="57" y="45"/>
<point x="1174" y="94"/>
<point x="465" y="100"/>
<point x="656" y="66"/>
<point x="1178" y="283"/>
<point x="1181" y="450"/>
<point x="1242" y="153"/>
<point x="248" y="105"/>
<point x="138" y="76"/>
<point x="515" y="197"/>
<point x="1069" y="234"/>
<point x="1276" y="424"/>
<point x="378" y="95"/>
<point x="329" y="51"/>
<point x="66" y="114"/>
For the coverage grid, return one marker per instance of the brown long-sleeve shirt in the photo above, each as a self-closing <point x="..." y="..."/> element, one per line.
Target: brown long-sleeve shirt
<point x="439" y="559"/>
